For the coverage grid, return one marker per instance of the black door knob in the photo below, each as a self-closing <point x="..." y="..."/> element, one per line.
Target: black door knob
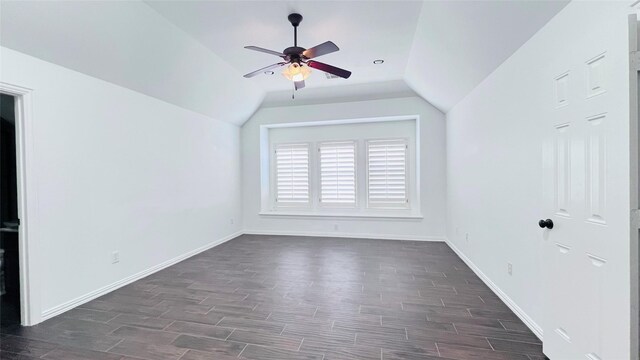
<point x="546" y="224"/>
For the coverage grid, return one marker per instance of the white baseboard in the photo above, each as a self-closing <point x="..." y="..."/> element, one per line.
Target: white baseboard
<point x="346" y="235"/>
<point x="526" y="319"/>
<point x="57" y="310"/>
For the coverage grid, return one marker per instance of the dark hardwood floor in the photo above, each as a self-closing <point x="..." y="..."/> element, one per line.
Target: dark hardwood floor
<point x="275" y="297"/>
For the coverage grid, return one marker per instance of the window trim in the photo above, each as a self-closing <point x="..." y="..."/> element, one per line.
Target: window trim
<point x="341" y="215"/>
<point x="318" y="164"/>
<point x="266" y="182"/>
<point x="386" y="205"/>
<point x="274" y="178"/>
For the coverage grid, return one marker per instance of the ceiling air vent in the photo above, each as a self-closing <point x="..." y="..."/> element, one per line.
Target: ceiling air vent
<point x="331" y="76"/>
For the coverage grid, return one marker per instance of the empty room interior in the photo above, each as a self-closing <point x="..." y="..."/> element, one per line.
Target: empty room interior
<point x="319" y="180"/>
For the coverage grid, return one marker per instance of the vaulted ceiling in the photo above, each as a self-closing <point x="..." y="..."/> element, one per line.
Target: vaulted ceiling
<point x="190" y="53"/>
<point x="459" y="43"/>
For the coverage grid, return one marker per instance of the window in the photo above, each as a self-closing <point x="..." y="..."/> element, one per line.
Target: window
<point x="292" y="174"/>
<point x="367" y="168"/>
<point x="337" y="173"/>
<point x="387" y="173"/>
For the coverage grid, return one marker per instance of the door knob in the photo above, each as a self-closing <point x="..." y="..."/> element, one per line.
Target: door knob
<point x="546" y="224"/>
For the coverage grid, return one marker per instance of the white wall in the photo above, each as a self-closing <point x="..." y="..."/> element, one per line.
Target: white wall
<point x="495" y="162"/>
<point x="432" y="187"/>
<point x="113" y="169"/>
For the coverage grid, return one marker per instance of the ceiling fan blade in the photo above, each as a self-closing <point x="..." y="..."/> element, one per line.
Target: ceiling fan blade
<point x="267" y="68"/>
<point x="319" y="50"/>
<point x="298" y="85"/>
<point x="255" y="48"/>
<point x="330" y="69"/>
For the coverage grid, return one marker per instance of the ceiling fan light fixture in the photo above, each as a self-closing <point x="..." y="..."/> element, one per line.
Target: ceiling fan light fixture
<point x="296" y="72"/>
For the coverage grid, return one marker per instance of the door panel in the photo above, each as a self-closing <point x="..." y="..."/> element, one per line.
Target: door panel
<point x="596" y="169"/>
<point x="565" y="322"/>
<point x="576" y="248"/>
<point x="562" y="160"/>
<point x="594" y="268"/>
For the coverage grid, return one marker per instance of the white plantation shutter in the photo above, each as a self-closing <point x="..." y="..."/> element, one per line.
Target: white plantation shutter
<point x="387" y="173"/>
<point x="338" y="173"/>
<point x="292" y="174"/>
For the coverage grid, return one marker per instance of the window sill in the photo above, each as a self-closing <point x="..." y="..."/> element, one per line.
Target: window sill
<point x="312" y="215"/>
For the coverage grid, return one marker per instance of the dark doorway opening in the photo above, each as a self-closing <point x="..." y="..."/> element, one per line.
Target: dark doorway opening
<point x="9" y="222"/>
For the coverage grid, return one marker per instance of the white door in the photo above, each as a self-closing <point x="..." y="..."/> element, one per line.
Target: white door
<point x="582" y="257"/>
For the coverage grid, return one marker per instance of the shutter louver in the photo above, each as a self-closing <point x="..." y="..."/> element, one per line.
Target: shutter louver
<point x="338" y="173"/>
<point x="387" y="173"/>
<point x="292" y="174"/>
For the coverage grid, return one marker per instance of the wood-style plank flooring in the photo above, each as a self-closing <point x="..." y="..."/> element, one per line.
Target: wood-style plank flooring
<point x="276" y="297"/>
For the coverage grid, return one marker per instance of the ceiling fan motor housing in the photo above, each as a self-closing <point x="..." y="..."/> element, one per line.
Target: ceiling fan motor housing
<point x="294" y="53"/>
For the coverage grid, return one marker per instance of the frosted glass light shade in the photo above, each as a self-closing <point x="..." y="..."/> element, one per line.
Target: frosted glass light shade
<point x="296" y="72"/>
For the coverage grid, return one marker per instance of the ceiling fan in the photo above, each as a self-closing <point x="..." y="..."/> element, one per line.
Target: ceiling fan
<point x="299" y="60"/>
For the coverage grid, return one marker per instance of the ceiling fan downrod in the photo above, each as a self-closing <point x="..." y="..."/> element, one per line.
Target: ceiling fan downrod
<point x="295" y="20"/>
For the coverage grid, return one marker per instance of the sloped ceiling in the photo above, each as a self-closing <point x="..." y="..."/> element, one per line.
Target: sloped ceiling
<point x="459" y="43"/>
<point x="190" y="53"/>
<point x="131" y="45"/>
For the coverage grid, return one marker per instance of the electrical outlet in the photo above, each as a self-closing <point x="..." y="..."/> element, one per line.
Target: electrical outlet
<point x="231" y="221"/>
<point x="510" y="268"/>
<point x="335" y="227"/>
<point x="115" y="257"/>
<point x="466" y="237"/>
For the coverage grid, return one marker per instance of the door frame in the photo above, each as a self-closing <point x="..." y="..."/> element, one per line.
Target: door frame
<point x="30" y="313"/>
<point x="634" y="75"/>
